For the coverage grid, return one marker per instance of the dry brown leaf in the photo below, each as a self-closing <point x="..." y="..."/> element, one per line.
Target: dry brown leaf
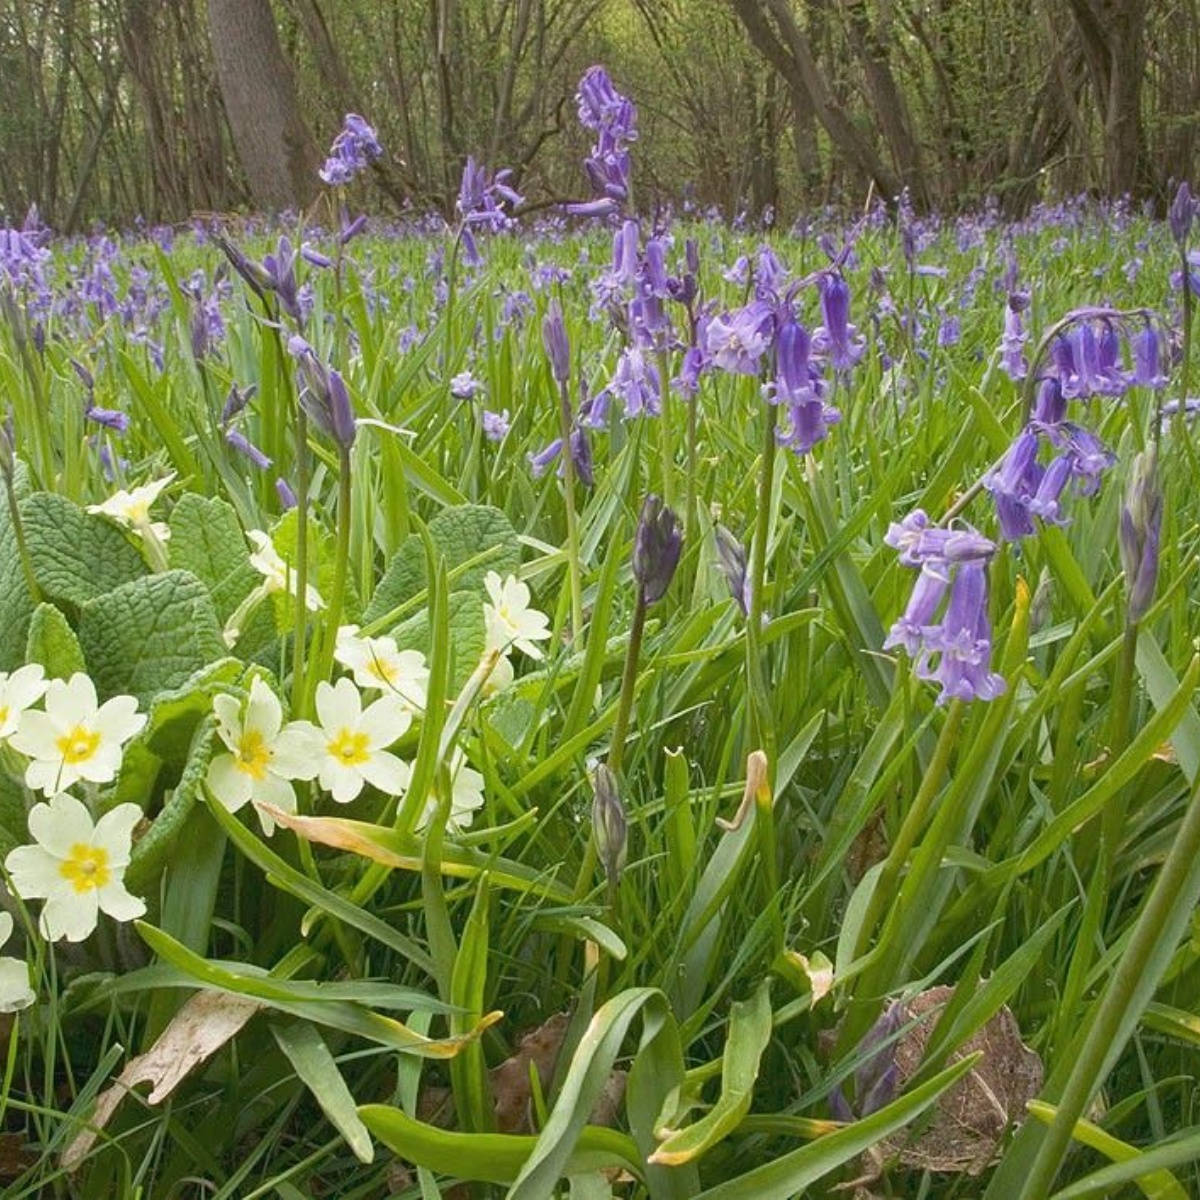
<point x="968" y="1123"/>
<point x="197" y="1031"/>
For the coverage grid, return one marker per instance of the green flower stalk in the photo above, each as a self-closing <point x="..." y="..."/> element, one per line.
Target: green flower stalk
<point x="558" y="350"/>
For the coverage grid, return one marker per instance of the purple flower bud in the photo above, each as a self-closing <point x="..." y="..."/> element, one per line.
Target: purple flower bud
<point x="1147" y="371"/>
<point x="1050" y="408"/>
<point x="323" y="394"/>
<point x="243" y="445"/>
<point x="287" y="498"/>
<point x="558" y="348"/>
<point x="1140" y="534"/>
<point x="236" y="402"/>
<point x="1180" y="214"/>
<point x="110" y="418"/>
<point x="656" y="548"/>
<point x="731" y="558"/>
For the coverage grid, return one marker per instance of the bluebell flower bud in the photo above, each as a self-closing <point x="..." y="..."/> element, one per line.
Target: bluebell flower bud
<point x="656" y="548"/>
<point x="1180" y="214"/>
<point x="609" y="824"/>
<point x="558" y="348"/>
<point x="1140" y="533"/>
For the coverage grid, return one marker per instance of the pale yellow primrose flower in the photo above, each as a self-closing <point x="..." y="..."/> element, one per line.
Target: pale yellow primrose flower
<point x="264" y="755"/>
<point x="15" y="992"/>
<point x="19" y="690"/>
<point x="377" y="662"/>
<point x="355" y="741"/>
<point x="277" y="575"/>
<point x="77" y="867"/>
<point x="133" y="508"/>
<point x="509" y="619"/>
<point x="466" y="796"/>
<point x="75" y="738"/>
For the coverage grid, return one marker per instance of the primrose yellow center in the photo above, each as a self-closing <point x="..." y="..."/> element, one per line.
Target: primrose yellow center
<point x="382" y="670"/>
<point x="253" y="755"/>
<point x="86" y="867"/>
<point x="3" y="713"/>
<point x="79" y="745"/>
<point x="138" y="513"/>
<point x="350" y="748"/>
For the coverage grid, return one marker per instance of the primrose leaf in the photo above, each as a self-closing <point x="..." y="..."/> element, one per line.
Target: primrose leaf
<point x="52" y="642"/>
<point x="207" y="540"/>
<point x="462" y="534"/>
<point x="149" y="635"/>
<point x="76" y="556"/>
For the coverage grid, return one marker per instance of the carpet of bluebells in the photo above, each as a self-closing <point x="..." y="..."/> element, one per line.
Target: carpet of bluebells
<point x="600" y="704"/>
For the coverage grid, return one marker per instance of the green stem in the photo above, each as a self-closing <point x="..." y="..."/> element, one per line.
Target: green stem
<point x="884" y="891"/>
<point x="690" y="517"/>
<point x="14" y="514"/>
<point x="666" y="431"/>
<point x="1186" y="367"/>
<point x="574" y="554"/>
<point x="762" y="726"/>
<point x="616" y="749"/>
<point x="341" y="570"/>
<point x="300" y="626"/>
<point x="1162" y="922"/>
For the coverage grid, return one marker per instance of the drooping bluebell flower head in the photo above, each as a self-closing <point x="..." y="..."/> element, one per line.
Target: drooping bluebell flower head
<point x="495" y="425"/>
<point x="613" y="119"/>
<point x="1147" y="369"/>
<point x="837" y="338"/>
<point x="558" y="347"/>
<point x="956" y="651"/>
<point x="353" y="151"/>
<point x="481" y="195"/>
<point x="877" y="1077"/>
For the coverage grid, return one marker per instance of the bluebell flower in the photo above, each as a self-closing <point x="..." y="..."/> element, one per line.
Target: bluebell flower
<point x="354" y="149"/>
<point x="736" y="341"/>
<point x="837" y="338"/>
<point x="495" y="425"/>
<point x="244" y="446"/>
<point x="480" y="197"/>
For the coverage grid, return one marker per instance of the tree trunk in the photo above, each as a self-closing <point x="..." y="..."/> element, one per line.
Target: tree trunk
<point x="887" y="101"/>
<point x="274" y="145"/>
<point x="788" y="50"/>
<point x="1114" y="44"/>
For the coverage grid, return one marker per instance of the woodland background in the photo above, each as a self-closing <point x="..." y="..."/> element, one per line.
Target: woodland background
<point x="118" y="109"/>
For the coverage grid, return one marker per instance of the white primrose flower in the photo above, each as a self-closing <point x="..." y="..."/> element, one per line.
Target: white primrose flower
<point x="19" y="690"/>
<point x="509" y="619"/>
<point x="377" y="662"/>
<point x="15" y="992"/>
<point x="466" y="796"/>
<point x="355" y="741"/>
<point x="77" y="866"/>
<point x="264" y="755"/>
<point x="75" y="738"/>
<point x="132" y="508"/>
<point x="277" y="575"/>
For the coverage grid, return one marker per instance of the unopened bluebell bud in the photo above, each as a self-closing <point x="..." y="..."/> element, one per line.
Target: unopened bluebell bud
<point x="1140" y="533"/>
<point x="558" y="348"/>
<point x="609" y="825"/>
<point x="656" y="548"/>
<point x="1180" y="214"/>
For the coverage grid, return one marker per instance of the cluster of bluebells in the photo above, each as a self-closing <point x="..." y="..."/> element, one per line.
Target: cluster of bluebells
<point x="945" y="629"/>
<point x="766" y="337"/>
<point x="1086" y="361"/>
<point x="354" y="149"/>
<point x="613" y="119"/>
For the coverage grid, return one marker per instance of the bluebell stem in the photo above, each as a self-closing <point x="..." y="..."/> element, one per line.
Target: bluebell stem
<point x="610" y="826"/>
<point x="236" y="402"/>
<point x="656" y="549"/>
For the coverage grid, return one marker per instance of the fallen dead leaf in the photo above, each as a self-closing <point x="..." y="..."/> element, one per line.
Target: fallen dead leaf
<point x="197" y="1031"/>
